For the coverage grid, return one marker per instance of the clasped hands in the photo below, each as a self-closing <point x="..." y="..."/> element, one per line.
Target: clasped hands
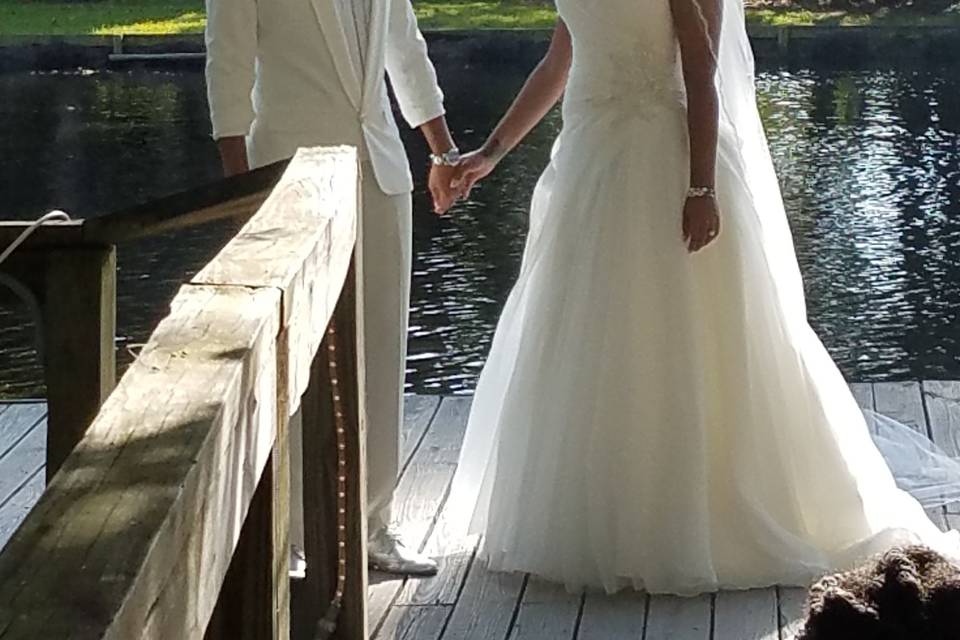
<point x="449" y="184"/>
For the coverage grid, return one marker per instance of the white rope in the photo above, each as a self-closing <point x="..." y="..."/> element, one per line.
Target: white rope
<point x="22" y="291"/>
<point x="53" y="216"/>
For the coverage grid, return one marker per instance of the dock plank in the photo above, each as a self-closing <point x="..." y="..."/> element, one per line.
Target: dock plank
<point x="746" y="615"/>
<point x="468" y="602"/>
<point x="942" y="400"/>
<point x="454" y="553"/>
<point x="418" y="413"/>
<point x="23" y="460"/>
<point x="449" y="542"/>
<point x="420" y="495"/>
<point x="674" y="618"/>
<point x="454" y="550"/>
<point x="943" y="405"/>
<point x="17" y="506"/>
<point x="863" y="392"/>
<point x="423" y="487"/>
<point x="16" y="421"/>
<point x="547" y="612"/>
<point x="618" y="617"/>
<point x="792" y="602"/>
<point x="414" y="623"/>
<point x="486" y="606"/>
<point x="902" y="401"/>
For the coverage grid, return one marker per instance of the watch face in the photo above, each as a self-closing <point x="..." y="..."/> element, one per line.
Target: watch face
<point x="450" y="158"/>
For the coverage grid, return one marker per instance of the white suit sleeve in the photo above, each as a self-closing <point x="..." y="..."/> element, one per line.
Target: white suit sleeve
<point x="411" y="73"/>
<point x="231" y="38"/>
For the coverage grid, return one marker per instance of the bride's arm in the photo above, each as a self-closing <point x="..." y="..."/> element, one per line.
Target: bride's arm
<point x="698" y="32"/>
<point x="541" y="92"/>
<point x="697" y="24"/>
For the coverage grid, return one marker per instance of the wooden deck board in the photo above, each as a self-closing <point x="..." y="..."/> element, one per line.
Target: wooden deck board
<point x="863" y="392"/>
<point x="421" y="493"/>
<point x="454" y="551"/>
<point x="16" y="421"/>
<point x="22" y="461"/>
<point x="746" y="615"/>
<point x="23" y="433"/>
<point x="904" y="401"/>
<point x="901" y="401"/>
<point x="486" y="607"/>
<point x="15" y="509"/>
<point x="619" y="617"/>
<point x="792" y="604"/>
<point x="468" y="602"/>
<point x="547" y="612"/>
<point x="942" y="401"/>
<point x="419" y="412"/>
<point x="673" y="618"/>
<point x="415" y="623"/>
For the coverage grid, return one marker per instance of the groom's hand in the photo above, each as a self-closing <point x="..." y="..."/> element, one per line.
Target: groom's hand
<point x="441" y="143"/>
<point x="440" y="183"/>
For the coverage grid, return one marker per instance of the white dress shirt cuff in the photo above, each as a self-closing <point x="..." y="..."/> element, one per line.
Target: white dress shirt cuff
<point x="419" y="114"/>
<point x="237" y="132"/>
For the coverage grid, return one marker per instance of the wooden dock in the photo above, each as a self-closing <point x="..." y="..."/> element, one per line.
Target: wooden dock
<point x="466" y="602"/>
<point x="23" y="445"/>
<point x="165" y="510"/>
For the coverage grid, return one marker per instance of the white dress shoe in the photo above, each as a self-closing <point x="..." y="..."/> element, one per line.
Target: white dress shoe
<point x="385" y="552"/>
<point x="298" y="563"/>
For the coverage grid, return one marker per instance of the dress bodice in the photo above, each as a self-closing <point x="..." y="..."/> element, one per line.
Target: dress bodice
<point x="625" y="54"/>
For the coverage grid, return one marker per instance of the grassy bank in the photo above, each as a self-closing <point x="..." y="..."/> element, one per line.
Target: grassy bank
<point x="806" y="18"/>
<point x="156" y="17"/>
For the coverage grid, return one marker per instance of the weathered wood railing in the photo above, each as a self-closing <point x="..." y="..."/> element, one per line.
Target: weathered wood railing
<point x="169" y="519"/>
<point x="69" y="269"/>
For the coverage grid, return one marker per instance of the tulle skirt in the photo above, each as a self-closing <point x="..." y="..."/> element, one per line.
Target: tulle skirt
<point x="653" y="419"/>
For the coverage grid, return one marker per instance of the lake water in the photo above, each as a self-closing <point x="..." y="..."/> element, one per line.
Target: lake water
<point x="869" y="159"/>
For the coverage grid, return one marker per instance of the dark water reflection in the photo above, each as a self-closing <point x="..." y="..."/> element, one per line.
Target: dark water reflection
<point x="868" y="159"/>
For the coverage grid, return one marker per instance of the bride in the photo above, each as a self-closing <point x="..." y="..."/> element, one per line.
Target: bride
<point x="656" y="413"/>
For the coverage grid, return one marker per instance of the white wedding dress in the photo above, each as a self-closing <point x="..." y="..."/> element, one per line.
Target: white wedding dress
<point x="652" y="419"/>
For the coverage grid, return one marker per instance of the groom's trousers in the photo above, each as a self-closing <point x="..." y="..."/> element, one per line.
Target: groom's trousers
<point x="386" y="235"/>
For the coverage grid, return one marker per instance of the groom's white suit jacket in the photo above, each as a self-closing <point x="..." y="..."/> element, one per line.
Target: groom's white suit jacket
<point x="293" y="58"/>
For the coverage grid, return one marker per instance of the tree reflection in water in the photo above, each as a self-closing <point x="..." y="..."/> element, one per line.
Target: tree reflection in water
<point x="869" y="160"/>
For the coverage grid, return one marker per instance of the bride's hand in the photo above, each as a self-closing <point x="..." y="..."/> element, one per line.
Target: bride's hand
<point x="473" y="167"/>
<point x="701" y="222"/>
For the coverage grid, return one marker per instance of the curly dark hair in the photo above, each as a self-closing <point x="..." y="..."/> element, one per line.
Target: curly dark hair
<point x="910" y="593"/>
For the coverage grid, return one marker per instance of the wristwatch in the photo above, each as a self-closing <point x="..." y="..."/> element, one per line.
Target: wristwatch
<point x="449" y="159"/>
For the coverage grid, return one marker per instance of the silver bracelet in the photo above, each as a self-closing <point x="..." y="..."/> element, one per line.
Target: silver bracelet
<point x="701" y="192"/>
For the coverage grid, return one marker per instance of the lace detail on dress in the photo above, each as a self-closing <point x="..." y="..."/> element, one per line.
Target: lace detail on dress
<point x="637" y="80"/>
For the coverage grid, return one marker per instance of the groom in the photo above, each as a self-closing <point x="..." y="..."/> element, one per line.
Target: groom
<point x="283" y="74"/>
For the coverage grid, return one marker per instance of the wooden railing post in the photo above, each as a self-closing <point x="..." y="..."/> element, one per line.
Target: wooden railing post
<point x="320" y="474"/>
<point x="254" y="602"/>
<point x="79" y="327"/>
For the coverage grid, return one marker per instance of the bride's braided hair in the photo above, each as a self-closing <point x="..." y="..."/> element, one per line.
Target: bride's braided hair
<point x="908" y="593"/>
